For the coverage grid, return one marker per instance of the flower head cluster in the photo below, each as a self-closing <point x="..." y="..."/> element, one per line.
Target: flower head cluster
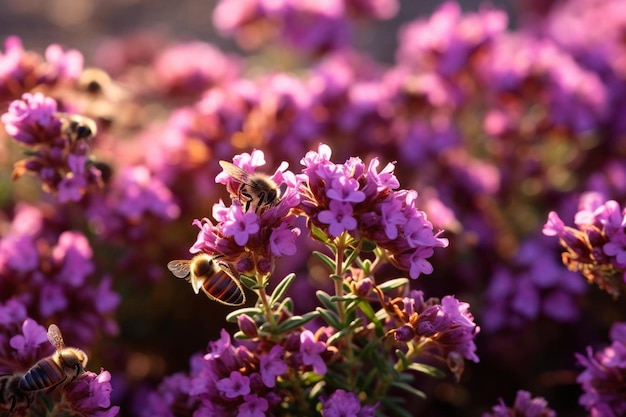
<point x="251" y="239"/>
<point x="22" y="340"/>
<point x="343" y="403"/>
<point x="192" y="67"/>
<point x="524" y="406"/>
<point x="532" y="286"/>
<point x="359" y="200"/>
<point x="51" y="276"/>
<point x="597" y="246"/>
<point x="443" y="329"/>
<point x="21" y="71"/>
<point x="245" y="380"/>
<point x="603" y="380"/>
<point x="57" y="146"/>
<point x="132" y="199"/>
<point x="90" y="395"/>
<point x="446" y="40"/>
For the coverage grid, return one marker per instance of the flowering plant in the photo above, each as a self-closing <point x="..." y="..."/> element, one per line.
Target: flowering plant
<point x="341" y="291"/>
<point x="345" y="356"/>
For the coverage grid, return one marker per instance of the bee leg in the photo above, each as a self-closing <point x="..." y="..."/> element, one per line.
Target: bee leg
<point x="247" y="200"/>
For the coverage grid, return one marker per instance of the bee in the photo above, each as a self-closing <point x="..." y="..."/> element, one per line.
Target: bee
<point x="214" y="278"/>
<point x="255" y="190"/>
<point x="11" y="396"/>
<point x="77" y="127"/>
<point x="58" y="369"/>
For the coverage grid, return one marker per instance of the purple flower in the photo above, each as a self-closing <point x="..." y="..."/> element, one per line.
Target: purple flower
<point x="32" y="336"/>
<point x="75" y="255"/>
<point x="67" y="65"/>
<point x="345" y="189"/>
<point x="235" y="385"/>
<point x="345" y="404"/>
<point x="253" y="406"/>
<point x="90" y="395"/>
<point x="32" y="119"/>
<point x="52" y="299"/>
<point x="283" y="240"/>
<point x="18" y="253"/>
<point x="190" y="68"/>
<point x="524" y="406"/>
<point x="311" y="351"/>
<point x="338" y="217"/>
<point x="392" y="217"/>
<point x="272" y="366"/>
<point x="554" y="226"/>
<point x="341" y="404"/>
<point x="240" y="225"/>
<point x="603" y="378"/>
<point x="596" y="246"/>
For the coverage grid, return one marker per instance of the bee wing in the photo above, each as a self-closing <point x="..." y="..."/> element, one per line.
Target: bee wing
<point x="236" y="172"/>
<point x="55" y="337"/>
<point x="180" y="268"/>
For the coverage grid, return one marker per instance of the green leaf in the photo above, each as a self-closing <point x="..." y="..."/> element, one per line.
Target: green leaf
<point x="330" y="317"/>
<point x="365" y="265"/>
<point x="347" y="297"/>
<point x="403" y="359"/>
<point x="367" y="309"/>
<point x="281" y="288"/>
<point x="339" y="335"/>
<point x="248" y="311"/>
<point x="240" y="335"/>
<point x="319" y="234"/>
<point x="427" y="369"/>
<point x="317" y="389"/>
<point x="325" y="300"/>
<point x="349" y="259"/>
<point x="325" y="259"/>
<point x="249" y="282"/>
<point x="336" y="277"/>
<point x="407" y="388"/>
<point x="296" y="321"/>
<point x="287" y="305"/>
<point x="393" y="284"/>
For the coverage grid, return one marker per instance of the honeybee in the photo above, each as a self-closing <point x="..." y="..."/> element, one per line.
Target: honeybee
<point x="255" y="190"/>
<point x="214" y="278"/>
<point x="11" y="396"/>
<point x="77" y="127"/>
<point x="58" y="369"/>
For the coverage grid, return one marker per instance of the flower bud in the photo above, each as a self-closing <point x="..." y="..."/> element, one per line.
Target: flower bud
<point x="364" y="287"/>
<point x="404" y="333"/>
<point x="247" y="326"/>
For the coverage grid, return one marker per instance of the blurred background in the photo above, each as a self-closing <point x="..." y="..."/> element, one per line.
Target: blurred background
<point x="162" y="324"/>
<point x="83" y="24"/>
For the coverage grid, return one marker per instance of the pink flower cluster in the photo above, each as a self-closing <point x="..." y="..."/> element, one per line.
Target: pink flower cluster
<point x="367" y="204"/>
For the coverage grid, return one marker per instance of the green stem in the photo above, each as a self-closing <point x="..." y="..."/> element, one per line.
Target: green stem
<point x="269" y="314"/>
<point x="339" y="255"/>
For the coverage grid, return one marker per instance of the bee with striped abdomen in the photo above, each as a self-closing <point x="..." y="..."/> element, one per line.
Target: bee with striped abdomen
<point x="214" y="278"/>
<point x="60" y="368"/>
